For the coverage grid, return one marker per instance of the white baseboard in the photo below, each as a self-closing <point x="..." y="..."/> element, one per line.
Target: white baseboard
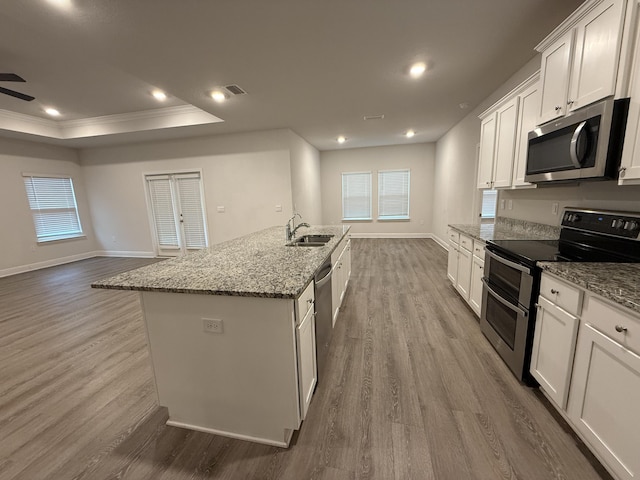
<point x="441" y="242"/>
<point x="45" y="264"/>
<point x="125" y="253"/>
<point x="73" y="258"/>
<point x="391" y="235"/>
<point x="266" y="441"/>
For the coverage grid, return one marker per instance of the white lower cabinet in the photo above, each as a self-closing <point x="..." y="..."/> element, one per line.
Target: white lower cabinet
<point x="593" y="360"/>
<point x="604" y="403"/>
<point x="452" y="263"/>
<point x="475" y="293"/>
<point x="553" y="348"/>
<point x="307" y="370"/>
<point x="464" y="272"/>
<point x="341" y="271"/>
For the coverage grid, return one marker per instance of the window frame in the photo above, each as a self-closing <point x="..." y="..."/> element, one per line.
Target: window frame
<point x="387" y="218"/>
<point x="359" y="218"/>
<point x="57" y="236"/>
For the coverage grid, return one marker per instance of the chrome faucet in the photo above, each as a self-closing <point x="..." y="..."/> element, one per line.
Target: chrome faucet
<point x="291" y="228"/>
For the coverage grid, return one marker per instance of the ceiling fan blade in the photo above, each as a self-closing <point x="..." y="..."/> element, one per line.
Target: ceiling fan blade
<point x="11" y="77"/>
<point x="19" y="95"/>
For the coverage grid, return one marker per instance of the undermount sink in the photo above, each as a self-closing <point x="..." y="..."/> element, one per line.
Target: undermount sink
<point x="310" y="241"/>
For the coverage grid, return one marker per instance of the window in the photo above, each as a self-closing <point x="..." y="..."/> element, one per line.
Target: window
<point x="356" y="196"/>
<point x="489" y="203"/>
<point x="177" y="209"/>
<point x="53" y="206"/>
<point x="393" y="194"/>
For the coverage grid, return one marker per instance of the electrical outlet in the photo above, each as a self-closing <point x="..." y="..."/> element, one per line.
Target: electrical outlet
<point x="212" y="325"/>
<point x="220" y="208"/>
<point x="502" y="204"/>
<point x="278" y="208"/>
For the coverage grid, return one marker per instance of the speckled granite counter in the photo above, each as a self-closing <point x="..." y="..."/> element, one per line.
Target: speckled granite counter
<point x="257" y="265"/>
<point x="618" y="282"/>
<point x="509" y="229"/>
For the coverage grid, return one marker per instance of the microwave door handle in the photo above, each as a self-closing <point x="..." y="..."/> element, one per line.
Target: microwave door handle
<point x="507" y="304"/>
<point x="509" y="263"/>
<point x="573" y="147"/>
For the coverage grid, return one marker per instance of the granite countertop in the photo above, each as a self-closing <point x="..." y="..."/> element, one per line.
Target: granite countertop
<point x="618" y="282"/>
<point x="509" y="229"/>
<point x="256" y="265"/>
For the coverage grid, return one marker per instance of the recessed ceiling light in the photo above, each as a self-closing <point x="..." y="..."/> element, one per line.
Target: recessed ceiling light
<point x="342" y="139"/>
<point x="218" y="96"/>
<point x="52" y="111"/>
<point x="159" y="95"/>
<point x="417" y="69"/>
<point x="410" y="133"/>
<point x="61" y="3"/>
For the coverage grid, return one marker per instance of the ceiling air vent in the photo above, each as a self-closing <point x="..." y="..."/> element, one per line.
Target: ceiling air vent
<point x="373" y="117"/>
<point x="235" y="90"/>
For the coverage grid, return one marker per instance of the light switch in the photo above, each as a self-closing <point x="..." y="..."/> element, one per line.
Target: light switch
<point x="510" y="204"/>
<point x="220" y="209"/>
<point x="554" y="208"/>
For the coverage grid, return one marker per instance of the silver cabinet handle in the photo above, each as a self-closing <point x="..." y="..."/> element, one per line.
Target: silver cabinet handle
<point x="554" y="291"/>
<point x="558" y="108"/>
<point x="621" y="329"/>
<point x="573" y="147"/>
<point x="569" y="102"/>
<point x="621" y="171"/>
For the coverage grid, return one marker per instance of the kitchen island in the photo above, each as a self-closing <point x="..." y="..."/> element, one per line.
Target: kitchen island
<point x="231" y="333"/>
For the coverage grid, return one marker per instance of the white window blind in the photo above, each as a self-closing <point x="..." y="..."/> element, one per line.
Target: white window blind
<point x="178" y="212"/>
<point x="163" y="212"/>
<point x="191" y="211"/>
<point x="393" y="194"/>
<point x="356" y="196"/>
<point x="53" y="205"/>
<point x="489" y="203"/>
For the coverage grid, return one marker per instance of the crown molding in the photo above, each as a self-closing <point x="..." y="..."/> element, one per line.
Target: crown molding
<point x="159" y="118"/>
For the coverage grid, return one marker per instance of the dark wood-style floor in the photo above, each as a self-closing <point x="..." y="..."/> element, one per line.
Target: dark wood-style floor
<point x="412" y="391"/>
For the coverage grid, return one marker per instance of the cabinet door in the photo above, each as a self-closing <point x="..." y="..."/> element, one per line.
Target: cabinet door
<point x="527" y="118"/>
<point x="307" y="369"/>
<point x="346" y="266"/>
<point x="337" y="285"/>
<point x="596" y="55"/>
<point x="554" y="344"/>
<point x="554" y="78"/>
<point x="630" y="163"/>
<point x="604" y="399"/>
<point x="505" y="147"/>
<point x="464" y="272"/>
<point x="475" y="293"/>
<point x="487" y="144"/>
<point x="452" y="265"/>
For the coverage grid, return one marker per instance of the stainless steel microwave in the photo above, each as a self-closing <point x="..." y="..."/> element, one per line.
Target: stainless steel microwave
<point x="585" y="145"/>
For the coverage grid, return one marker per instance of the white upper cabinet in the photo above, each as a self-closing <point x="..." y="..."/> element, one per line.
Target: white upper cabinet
<point x="630" y="163"/>
<point x="487" y="147"/>
<point x="504" y="130"/>
<point x="554" y="74"/>
<point x="527" y="119"/>
<point x="507" y="123"/>
<point x="580" y="58"/>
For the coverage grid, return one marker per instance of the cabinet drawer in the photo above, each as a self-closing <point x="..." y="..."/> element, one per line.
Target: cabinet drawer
<point x="478" y="249"/>
<point x="466" y="242"/>
<point x="454" y="236"/>
<point x="305" y="301"/>
<point x="609" y="319"/>
<point x="562" y="294"/>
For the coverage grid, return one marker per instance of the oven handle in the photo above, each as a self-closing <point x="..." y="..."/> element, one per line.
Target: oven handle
<point x="509" y="263"/>
<point x="507" y="304"/>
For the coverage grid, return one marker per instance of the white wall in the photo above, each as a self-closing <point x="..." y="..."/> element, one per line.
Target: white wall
<point x="305" y="179"/>
<point x="18" y="242"/>
<point x="249" y="174"/>
<point x="456" y="162"/>
<point x="419" y="158"/>
<point x="536" y="204"/>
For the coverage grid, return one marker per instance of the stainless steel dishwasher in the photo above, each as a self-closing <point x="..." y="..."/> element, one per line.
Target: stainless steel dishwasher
<point x="324" y="327"/>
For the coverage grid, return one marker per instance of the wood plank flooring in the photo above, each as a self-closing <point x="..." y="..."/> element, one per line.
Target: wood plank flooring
<point x="412" y="390"/>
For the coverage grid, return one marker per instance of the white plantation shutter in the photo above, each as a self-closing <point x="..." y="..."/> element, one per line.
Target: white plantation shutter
<point x="489" y="203"/>
<point x="393" y="194"/>
<point x="163" y="211"/>
<point x="356" y="196"/>
<point x="53" y="205"/>
<point x="190" y="199"/>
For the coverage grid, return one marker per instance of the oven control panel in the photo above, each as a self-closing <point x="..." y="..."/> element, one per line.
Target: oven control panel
<point x="618" y="224"/>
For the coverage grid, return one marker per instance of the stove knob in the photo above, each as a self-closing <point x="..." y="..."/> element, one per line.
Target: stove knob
<point x="632" y="225"/>
<point x="618" y="223"/>
<point x="576" y="218"/>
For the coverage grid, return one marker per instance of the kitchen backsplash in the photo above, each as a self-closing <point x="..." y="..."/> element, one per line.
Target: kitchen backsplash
<point x="525" y="226"/>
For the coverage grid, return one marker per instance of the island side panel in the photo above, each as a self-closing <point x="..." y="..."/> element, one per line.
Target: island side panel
<point x="241" y="382"/>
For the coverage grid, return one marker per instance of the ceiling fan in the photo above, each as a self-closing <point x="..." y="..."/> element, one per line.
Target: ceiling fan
<point x="12" y="77"/>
